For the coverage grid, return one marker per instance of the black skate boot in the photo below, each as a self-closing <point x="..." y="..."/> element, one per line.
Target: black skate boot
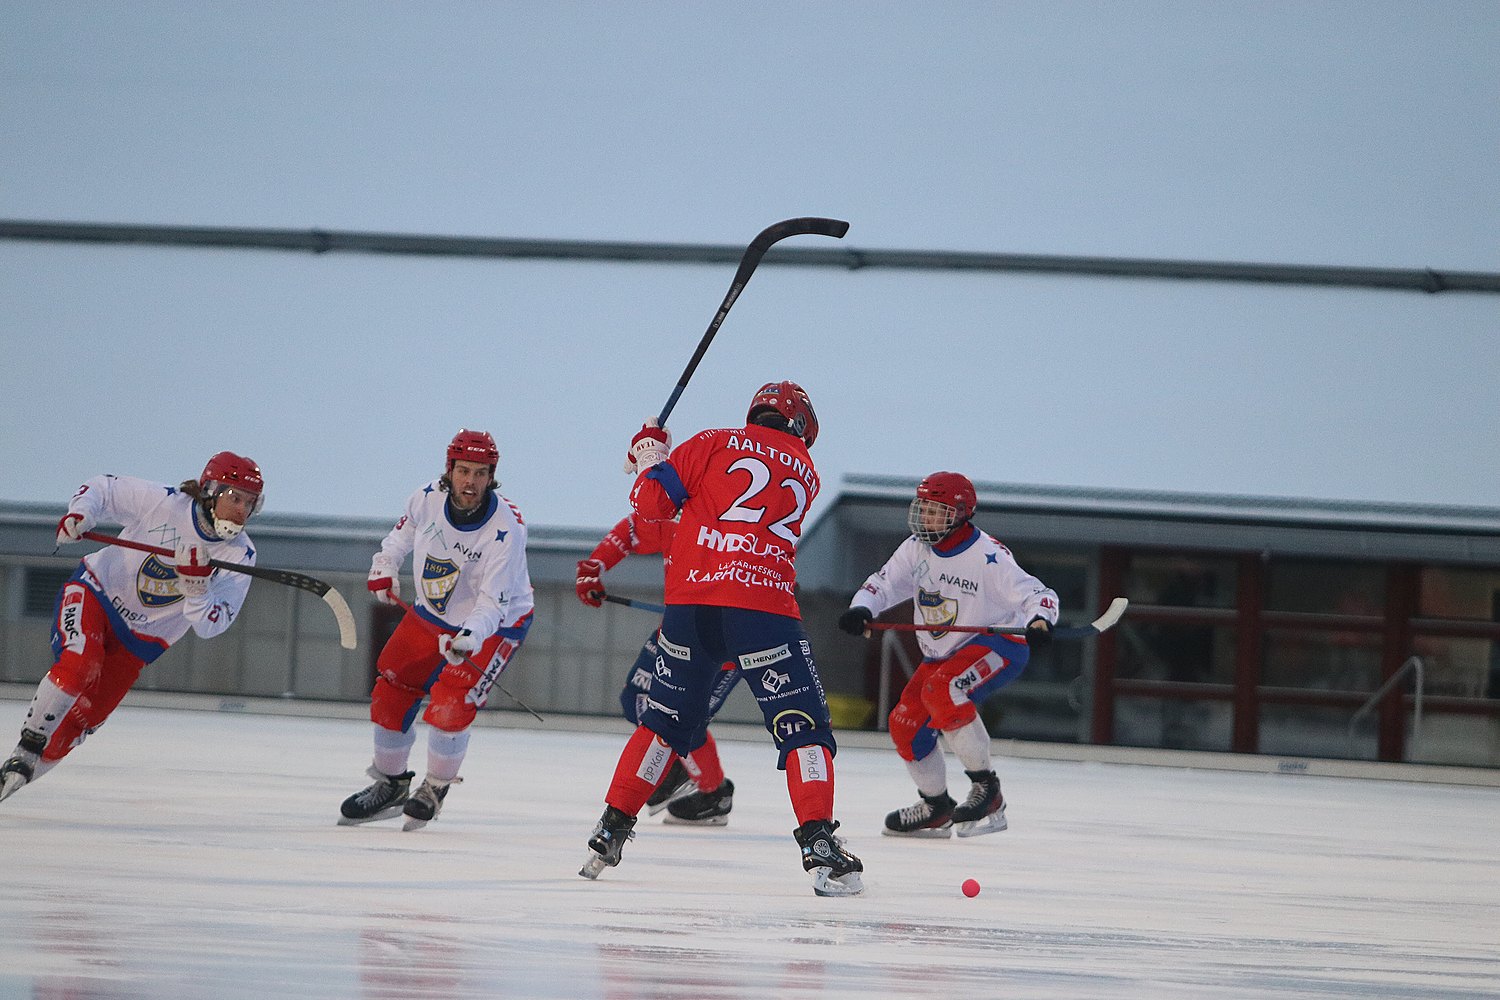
<point x="930" y="817"/>
<point x="19" y="768"/>
<point x="610" y="833"/>
<point x="835" y="871"/>
<point x="426" y="802"/>
<point x="382" y="800"/>
<point x="984" y="810"/>
<point x="703" y="808"/>
<point x="675" y="785"/>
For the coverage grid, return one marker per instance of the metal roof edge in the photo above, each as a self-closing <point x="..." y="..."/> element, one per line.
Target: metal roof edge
<point x="1215" y="506"/>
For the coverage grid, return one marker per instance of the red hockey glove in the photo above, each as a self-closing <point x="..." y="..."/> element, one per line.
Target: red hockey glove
<point x="384" y="582"/>
<point x="455" y="648"/>
<point x="72" y="526"/>
<point x="650" y="446"/>
<point x="590" y="588"/>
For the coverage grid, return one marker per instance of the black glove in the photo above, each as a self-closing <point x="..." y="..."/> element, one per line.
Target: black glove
<point x="1038" y="633"/>
<point x="854" y="620"/>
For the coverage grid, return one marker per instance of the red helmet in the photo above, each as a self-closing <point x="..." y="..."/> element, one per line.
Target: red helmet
<point x="473" y="446"/>
<point x="226" y="469"/>
<point x="945" y="501"/>
<point x="790" y="400"/>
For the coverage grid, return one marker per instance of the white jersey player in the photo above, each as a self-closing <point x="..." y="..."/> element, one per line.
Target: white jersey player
<point x="470" y="613"/>
<point x="955" y="575"/>
<point x="123" y="608"/>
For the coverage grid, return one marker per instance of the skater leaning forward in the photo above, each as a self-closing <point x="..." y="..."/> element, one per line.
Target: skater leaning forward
<point x="123" y="608"/>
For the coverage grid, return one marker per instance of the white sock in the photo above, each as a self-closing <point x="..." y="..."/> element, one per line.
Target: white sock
<point x="445" y="754"/>
<point x="971" y="745"/>
<point x="392" y="749"/>
<point x="930" y="773"/>
<point x="48" y="706"/>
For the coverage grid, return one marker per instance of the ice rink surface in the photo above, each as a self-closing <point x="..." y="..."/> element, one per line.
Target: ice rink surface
<point x="194" y="854"/>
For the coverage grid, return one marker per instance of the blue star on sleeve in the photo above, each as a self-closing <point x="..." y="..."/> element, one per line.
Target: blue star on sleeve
<point x="500" y="535"/>
<point x="991" y="558"/>
<point x="427" y="488"/>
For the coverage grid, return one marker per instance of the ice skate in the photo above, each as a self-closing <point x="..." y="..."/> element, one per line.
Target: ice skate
<point x="608" y="841"/>
<point x="20" y="767"/>
<point x="932" y="816"/>
<point x="703" y="808"/>
<point x="677" y="784"/>
<point x="835" y="871"/>
<point x="382" y="800"/>
<point x="426" y="802"/>
<point x="984" y="810"/>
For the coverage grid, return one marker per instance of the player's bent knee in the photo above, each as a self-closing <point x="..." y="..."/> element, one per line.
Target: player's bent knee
<point x="450" y="716"/>
<point x="820" y="736"/>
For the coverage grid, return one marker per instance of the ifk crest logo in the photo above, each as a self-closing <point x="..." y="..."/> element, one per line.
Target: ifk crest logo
<point x="439" y="577"/>
<point x="936" y="609"/>
<point x="156" y="583"/>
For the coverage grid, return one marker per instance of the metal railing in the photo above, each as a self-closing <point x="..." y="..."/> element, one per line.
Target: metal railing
<point x="890" y="650"/>
<point x="1415" y="665"/>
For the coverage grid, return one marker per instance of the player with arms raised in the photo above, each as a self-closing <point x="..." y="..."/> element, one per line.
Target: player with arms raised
<point x="742" y="494"/>
<point x="954" y="574"/>
<point x="471" y="612"/>
<point x="123" y="608"/>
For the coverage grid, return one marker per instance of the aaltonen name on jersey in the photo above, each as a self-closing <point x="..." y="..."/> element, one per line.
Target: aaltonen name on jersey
<point x="801" y="468"/>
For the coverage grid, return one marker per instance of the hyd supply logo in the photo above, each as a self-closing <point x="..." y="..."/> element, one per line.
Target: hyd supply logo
<point x="439" y="578"/>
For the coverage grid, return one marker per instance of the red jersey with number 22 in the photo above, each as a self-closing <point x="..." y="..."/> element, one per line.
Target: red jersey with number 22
<point x="743" y="494"/>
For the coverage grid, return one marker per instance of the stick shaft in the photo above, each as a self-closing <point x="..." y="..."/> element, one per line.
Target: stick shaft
<point x="811" y="226"/>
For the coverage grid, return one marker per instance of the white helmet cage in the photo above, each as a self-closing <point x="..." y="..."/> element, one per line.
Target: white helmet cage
<point x="930" y="521"/>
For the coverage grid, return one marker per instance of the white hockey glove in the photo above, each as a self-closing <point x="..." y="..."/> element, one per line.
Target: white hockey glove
<point x="650" y="446"/>
<point x="384" y="581"/>
<point x="72" y="526"/>
<point x="193" y="569"/>
<point x="455" y="648"/>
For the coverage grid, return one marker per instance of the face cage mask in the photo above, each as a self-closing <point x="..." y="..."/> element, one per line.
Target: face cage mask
<point x="920" y="514"/>
<point x="223" y="527"/>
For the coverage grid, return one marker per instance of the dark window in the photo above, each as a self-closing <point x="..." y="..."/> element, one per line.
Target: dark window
<point x="41" y="587"/>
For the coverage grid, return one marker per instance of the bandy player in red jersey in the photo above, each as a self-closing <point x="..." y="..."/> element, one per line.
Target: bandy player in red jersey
<point x="741" y="494"/>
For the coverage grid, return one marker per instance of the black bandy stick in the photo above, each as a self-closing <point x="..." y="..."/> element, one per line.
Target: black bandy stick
<point x="632" y="603"/>
<point x="753" y="253"/>
<point x="286" y="578"/>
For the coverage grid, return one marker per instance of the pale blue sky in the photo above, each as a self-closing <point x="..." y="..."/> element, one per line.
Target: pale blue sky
<point x="1326" y="133"/>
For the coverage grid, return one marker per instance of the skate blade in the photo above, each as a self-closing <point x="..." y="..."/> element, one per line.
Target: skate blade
<point x="849" y="884"/>
<point x="11" y="783"/>
<point x="722" y="820"/>
<point x="592" y="867"/>
<point x="926" y="833"/>
<point x="993" y="823"/>
<point x="682" y="791"/>
<point x="390" y="813"/>
<point x="412" y="823"/>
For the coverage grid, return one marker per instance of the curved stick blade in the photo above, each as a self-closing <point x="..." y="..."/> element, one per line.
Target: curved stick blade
<point x="347" y="636"/>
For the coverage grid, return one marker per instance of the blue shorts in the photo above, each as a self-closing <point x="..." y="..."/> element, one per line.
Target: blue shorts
<point x="771" y="651"/>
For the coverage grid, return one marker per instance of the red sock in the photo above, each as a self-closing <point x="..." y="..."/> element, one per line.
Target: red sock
<point x="643" y="764"/>
<point x="809" y="781"/>
<point x="703" y="764"/>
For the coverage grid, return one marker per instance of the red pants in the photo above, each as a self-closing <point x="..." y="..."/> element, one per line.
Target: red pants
<point x="410" y="668"/>
<point x="92" y="665"/>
